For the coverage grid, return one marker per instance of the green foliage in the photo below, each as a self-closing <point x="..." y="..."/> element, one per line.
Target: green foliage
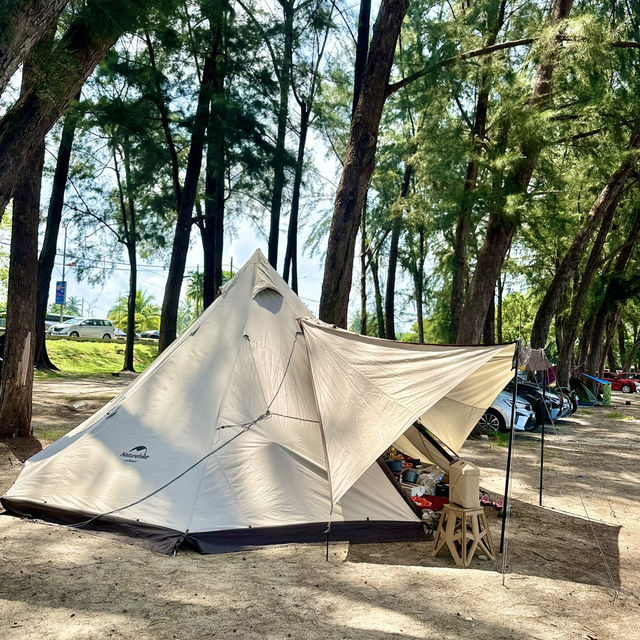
<point x="518" y="312"/>
<point x="147" y="313"/>
<point x="146" y="88"/>
<point x="73" y="306"/>
<point x="193" y="306"/>
<point x="195" y="287"/>
<point x="372" y="323"/>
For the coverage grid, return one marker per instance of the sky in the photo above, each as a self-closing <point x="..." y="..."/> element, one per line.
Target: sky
<point x="99" y="299"/>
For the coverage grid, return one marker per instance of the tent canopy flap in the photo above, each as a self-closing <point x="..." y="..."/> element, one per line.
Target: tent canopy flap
<point x="370" y="391"/>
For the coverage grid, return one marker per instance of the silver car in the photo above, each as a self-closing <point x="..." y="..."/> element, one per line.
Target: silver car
<point x="497" y="418"/>
<point x="84" y="328"/>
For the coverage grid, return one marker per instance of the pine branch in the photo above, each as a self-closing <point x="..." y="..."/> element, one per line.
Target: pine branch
<point x="475" y="53"/>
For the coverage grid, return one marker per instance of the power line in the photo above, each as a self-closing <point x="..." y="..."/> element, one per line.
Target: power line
<point x="112" y="262"/>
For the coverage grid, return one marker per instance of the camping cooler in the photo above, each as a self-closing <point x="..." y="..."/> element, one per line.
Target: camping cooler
<point x="464" y="484"/>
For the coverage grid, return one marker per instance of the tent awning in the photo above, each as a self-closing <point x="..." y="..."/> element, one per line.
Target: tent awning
<point x="370" y="391"/>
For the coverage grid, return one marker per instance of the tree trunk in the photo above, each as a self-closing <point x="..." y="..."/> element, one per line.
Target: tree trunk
<point x="214" y="203"/>
<point x="631" y="354"/>
<point x="596" y="345"/>
<point x="377" y="291"/>
<point x="489" y="328"/>
<point x="583" y="343"/>
<point x="560" y="331"/>
<point x="611" y="358"/>
<point x="612" y="326"/>
<point x="131" y="309"/>
<point x="22" y="24"/>
<point x="363" y="272"/>
<point x="359" y="164"/>
<point x="390" y="297"/>
<point x="565" y="352"/>
<point x="291" y="253"/>
<point x="78" y="51"/>
<point x="362" y="48"/>
<point x="280" y="152"/>
<point x="500" y="291"/>
<point x="622" y="346"/>
<point x="169" y="318"/>
<point x="481" y="288"/>
<point x="501" y="227"/>
<point x="46" y="261"/>
<point x="609" y="308"/>
<point x="613" y="329"/>
<point x="604" y="206"/>
<point x="128" y="213"/>
<point x="419" y="285"/>
<point x="463" y="227"/>
<point x="17" y="371"/>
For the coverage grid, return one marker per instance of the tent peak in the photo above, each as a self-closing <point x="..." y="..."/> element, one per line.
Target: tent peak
<point x="258" y="256"/>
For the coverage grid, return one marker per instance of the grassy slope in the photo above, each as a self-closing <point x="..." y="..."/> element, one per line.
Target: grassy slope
<point x="97" y="357"/>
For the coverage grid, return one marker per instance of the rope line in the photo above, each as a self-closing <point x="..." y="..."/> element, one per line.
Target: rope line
<point x="604" y="558"/>
<point x="293" y="347"/>
<point x="282" y="415"/>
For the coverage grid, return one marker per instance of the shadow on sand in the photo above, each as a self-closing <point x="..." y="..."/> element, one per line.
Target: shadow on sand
<point x="541" y="542"/>
<point x="22" y="448"/>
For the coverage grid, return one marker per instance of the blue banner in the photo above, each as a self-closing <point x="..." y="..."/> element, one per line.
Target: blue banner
<point x="61" y="291"/>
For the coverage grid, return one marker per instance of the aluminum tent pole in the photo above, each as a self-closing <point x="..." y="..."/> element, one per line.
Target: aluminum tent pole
<point x="544" y="419"/>
<point x="506" y="507"/>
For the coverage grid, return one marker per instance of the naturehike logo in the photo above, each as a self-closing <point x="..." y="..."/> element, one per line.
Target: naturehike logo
<point x="135" y="454"/>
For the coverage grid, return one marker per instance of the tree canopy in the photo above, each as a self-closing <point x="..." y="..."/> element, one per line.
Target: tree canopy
<point x="467" y="172"/>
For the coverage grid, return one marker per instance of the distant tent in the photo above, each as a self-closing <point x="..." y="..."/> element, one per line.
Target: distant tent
<point x="259" y="425"/>
<point x="586" y="397"/>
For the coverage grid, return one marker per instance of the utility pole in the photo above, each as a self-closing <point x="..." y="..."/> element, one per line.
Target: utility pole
<point x="64" y="264"/>
<point x="231" y="267"/>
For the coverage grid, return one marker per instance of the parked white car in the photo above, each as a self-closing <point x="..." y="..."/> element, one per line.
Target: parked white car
<point x="84" y="328"/>
<point x="497" y="417"/>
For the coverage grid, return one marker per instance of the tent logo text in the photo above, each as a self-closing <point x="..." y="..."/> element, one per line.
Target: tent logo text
<point x="135" y="454"/>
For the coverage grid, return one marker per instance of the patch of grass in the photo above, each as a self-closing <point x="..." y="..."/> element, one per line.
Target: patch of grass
<point x="616" y="415"/>
<point x="584" y="412"/>
<point x="87" y="358"/>
<point x="500" y="440"/>
<point x="50" y="434"/>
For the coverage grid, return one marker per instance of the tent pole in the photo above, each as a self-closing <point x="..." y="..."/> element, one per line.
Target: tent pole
<point x="506" y="507"/>
<point x="544" y="419"/>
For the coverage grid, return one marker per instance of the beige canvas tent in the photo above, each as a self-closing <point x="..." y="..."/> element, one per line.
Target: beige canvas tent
<point x="259" y="425"/>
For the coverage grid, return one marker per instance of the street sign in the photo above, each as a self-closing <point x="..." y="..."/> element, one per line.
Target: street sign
<point x="61" y="291"/>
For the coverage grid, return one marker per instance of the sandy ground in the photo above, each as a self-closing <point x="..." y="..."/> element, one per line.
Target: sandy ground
<point x="573" y="565"/>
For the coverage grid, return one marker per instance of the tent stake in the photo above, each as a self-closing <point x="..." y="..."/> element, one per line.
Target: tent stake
<point x="327" y="532"/>
<point x="506" y="506"/>
<point x="544" y="419"/>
